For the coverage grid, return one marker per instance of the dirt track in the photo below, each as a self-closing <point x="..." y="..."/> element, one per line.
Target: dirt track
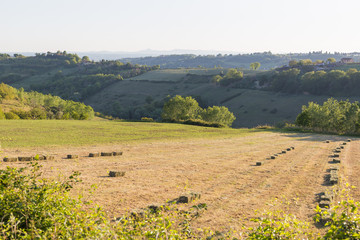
<point x="222" y="170"/>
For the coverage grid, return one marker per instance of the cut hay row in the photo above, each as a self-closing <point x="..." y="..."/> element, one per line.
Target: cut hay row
<point x="155" y="208"/>
<point x="27" y="159"/>
<point x="185" y="198"/>
<point x="325" y="199"/>
<point x="106" y="154"/>
<point x="116" y="174"/>
<point x="276" y="155"/>
<point x="49" y="157"/>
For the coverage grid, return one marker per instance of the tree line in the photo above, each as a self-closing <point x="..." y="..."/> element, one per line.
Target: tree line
<point x="187" y="110"/>
<point x="268" y="59"/>
<point x="341" y="117"/>
<point x="333" y="82"/>
<point x="42" y="106"/>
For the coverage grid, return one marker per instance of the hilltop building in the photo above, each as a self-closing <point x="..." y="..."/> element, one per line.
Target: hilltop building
<point x="347" y="60"/>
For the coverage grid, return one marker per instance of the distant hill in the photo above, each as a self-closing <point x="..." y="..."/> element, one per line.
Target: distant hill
<point x="266" y="59"/>
<point x="132" y="91"/>
<point x="65" y="75"/>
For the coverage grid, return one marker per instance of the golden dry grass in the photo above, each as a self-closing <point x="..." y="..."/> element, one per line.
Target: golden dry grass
<point x="221" y="169"/>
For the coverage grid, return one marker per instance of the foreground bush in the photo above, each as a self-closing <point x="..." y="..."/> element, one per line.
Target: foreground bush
<point x="31" y="208"/>
<point x="343" y="219"/>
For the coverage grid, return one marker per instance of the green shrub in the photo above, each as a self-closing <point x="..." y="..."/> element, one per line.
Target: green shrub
<point x="2" y="115"/>
<point x="34" y="208"/>
<point x="343" y="220"/>
<point x="11" y="116"/>
<point x="180" y="108"/>
<point x="167" y="222"/>
<point x="22" y="114"/>
<point x="199" y="122"/>
<point x="37" y="113"/>
<point x="333" y="116"/>
<point x="146" y="119"/>
<point x="220" y="115"/>
<point x="264" y="127"/>
<point x="277" y="224"/>
<point x="187" y="110"/>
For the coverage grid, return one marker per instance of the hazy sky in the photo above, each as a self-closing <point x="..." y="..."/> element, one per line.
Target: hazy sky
<point x="132" y="25"/>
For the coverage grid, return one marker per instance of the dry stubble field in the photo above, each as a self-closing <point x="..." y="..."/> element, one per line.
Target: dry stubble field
<point x="222" y="169"/>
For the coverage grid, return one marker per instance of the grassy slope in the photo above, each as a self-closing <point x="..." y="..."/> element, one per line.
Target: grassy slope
<point x="171" y="75"/>
<point x="41" y="78"/>
<point x="39" y="133"/>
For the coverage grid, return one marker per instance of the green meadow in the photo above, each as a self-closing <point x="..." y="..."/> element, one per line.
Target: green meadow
<point x="40" y="133"/>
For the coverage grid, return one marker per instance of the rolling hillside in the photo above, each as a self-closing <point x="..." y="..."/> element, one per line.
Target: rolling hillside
<point x="146" y="92"/>
<point x="131" y="91"/>
<point x="267" y="60"/>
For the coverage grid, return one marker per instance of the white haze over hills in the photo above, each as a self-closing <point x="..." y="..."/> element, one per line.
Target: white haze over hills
<point x="113" y="55"/>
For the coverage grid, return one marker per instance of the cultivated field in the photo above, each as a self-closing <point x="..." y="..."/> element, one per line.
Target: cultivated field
<point x="174" y="75"/>
<point x="221" y="168"/>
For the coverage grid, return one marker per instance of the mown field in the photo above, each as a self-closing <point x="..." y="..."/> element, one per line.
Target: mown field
<point x="163" y="161"/>
<point x="173" y="75"/>
<point x="48" y="133"/>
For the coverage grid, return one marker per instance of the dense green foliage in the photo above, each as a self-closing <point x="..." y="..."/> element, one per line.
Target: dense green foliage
<point x="181" y="109"/>
<point x="333" y="116"/>
<point x="307" y="77"/>
<point x="343" y="219"/>
<point x="2" y="115"/>
<point x="35" y="208"/>
<point x="255" y="65"/>
<point x="232" y="75"/>
<point x="220" y="115"/>
<point x="42" y="106"/>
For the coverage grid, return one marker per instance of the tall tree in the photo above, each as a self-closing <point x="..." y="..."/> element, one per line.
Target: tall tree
<point x="179" y="108"/>
<point x="255" y="65"/>
<point x="331" y="60"/>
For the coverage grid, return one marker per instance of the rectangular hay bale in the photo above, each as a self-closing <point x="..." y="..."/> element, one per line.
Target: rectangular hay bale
<point x="10" y="159"/>
<point x="49" y="157"/>
<point x="25" y="159"/>
<point x="106" y="154"/>
<point x="94" y="154"/>
<point x="116" y="174"/>
<point x="324" y="204"/>
<point x="117" y="153"/>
